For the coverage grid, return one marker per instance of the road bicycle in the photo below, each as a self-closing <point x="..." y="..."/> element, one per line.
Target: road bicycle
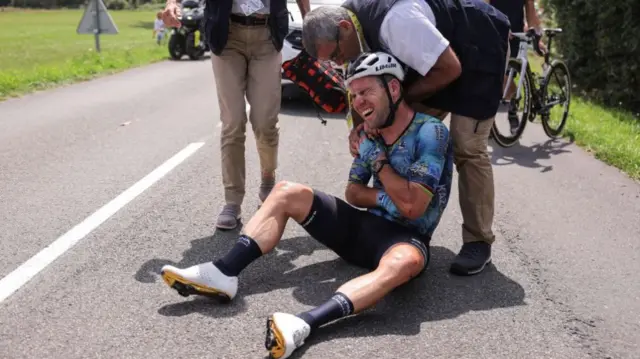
<point x="535" y="96"/>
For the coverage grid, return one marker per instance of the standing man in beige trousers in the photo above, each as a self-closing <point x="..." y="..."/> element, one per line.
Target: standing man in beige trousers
<point x="245" y="38"/>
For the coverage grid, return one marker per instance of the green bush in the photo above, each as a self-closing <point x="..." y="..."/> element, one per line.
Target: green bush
<point x="601" y="44"/>
<point x="117" y="4"/>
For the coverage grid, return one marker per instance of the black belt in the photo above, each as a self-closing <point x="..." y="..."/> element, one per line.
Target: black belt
<point x="249" y="20"/>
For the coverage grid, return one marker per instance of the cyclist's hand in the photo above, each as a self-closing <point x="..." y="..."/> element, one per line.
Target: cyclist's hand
<point x="170" y="15"/>
<point x="355" y="139"/>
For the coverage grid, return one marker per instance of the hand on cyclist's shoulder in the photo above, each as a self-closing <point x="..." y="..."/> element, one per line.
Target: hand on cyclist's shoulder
<point x="356" y="136"/>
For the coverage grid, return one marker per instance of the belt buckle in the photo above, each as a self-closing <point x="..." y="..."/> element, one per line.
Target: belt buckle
<point x="258" y="20"/>
<point x="250" y="20"/>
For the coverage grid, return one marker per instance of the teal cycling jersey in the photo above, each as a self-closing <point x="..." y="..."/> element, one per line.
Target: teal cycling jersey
<point x="422" y="154"/>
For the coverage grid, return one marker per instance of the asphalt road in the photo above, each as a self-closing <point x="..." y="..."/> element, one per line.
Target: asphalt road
<point x="563" y="283"/>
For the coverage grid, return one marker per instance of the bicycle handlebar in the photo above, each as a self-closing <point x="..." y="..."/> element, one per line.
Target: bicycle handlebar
<point x="531" y="37"/>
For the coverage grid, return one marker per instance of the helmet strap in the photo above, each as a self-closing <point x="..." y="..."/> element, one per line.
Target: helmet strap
<point x="393" y="107"/>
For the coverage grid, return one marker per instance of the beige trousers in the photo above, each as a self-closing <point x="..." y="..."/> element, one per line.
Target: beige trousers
<point x="475" y="173"/>
<point x="476" y="188"/>
<point x="249" y="65"/>
<point x="475" y="176"/>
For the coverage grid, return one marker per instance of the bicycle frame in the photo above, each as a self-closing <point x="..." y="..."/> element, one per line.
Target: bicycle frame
<point x="525" y="44"/>
<point x="537" y="100"/>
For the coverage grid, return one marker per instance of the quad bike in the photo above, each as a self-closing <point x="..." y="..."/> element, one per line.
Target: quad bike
<point x="189" y="39"/>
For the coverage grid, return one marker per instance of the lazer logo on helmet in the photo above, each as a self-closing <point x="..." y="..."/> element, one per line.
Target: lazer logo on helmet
<point x="386" y="66"/>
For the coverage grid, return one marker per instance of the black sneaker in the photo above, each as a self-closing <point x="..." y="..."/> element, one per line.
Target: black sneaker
<point x="472" y="259"/>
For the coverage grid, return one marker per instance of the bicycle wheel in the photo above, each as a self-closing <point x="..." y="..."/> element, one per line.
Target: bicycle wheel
<point x="556" y="98"/>
<point x="521" y="105"/>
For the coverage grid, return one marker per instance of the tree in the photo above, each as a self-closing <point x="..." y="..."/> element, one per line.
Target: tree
<point x="601" y="44"/>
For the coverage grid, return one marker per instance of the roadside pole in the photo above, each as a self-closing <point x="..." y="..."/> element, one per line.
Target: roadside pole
<point x="96" y="20"/>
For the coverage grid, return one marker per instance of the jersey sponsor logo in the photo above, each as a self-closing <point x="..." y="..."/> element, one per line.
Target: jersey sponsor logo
<point x="244" y="240"/>
<point x="439" y="133"/>
<point x="310" y="219"/>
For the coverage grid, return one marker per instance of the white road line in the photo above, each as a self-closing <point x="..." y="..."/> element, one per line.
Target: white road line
<point x="21" y="275"/>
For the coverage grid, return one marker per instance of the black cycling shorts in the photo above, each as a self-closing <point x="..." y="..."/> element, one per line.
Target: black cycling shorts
<point x="357" y="236"/>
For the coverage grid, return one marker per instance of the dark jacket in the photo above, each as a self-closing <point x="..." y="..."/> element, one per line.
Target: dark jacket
<point x="217" y="14"/>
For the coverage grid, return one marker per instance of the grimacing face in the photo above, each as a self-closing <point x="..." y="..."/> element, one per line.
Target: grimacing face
<point x="370" y="100"/>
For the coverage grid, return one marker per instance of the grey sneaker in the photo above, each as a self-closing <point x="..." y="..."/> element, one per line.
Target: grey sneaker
<point x="265" y="188"/>
<point x="229" y="216"/>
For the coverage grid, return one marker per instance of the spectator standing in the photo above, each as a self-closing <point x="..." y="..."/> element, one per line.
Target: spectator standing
<point x="158" y="28"/>
<point x="245" y="38"/>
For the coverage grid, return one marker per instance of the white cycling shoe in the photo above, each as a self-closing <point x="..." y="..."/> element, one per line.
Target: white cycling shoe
<point x="202" y="279"/>
<point x="285" y="333"/>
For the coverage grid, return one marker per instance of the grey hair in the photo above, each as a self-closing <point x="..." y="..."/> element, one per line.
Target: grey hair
<point x="321" y="24"/>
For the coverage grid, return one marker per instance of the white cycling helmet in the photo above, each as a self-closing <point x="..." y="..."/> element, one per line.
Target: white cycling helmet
<point x="373" y="64"/>
<point x="377" y="64"/>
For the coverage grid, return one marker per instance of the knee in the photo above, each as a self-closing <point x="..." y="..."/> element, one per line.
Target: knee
<point x="468" y="150"/>
<point x="291" y="197"/>
<point x="402" y="263"/>
<point x="266" y="128"/>
<point x="233" y="130"/>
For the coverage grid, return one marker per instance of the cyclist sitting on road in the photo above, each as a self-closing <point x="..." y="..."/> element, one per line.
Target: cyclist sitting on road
<point x="410" y="157"/>
<point x="456" y="57"/>
<point x="515" y="11"/>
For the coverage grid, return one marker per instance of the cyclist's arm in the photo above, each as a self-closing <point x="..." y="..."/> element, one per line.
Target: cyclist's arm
<point x="400" y="197"/>
<point x="357" y="192"/>
<point x="409" y="34"/>
<point x="360" y="195"/>
<point x="412" y="195"/>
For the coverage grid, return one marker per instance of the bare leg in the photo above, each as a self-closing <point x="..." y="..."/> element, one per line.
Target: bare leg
<point x="288" y="200"/>
<point x="263" y="232"/>
<point x="401" y="263"/>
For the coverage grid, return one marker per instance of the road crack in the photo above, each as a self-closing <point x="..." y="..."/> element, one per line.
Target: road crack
<point x="578" y="327"/>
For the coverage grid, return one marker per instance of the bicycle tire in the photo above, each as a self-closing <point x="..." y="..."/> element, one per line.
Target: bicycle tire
<point x="508" y="141"/>
<point x="556" y="66"/>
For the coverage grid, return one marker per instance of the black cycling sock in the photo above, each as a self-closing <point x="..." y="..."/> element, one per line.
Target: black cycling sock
<point x="337" y="307"/>
<point x="239" y="257"/>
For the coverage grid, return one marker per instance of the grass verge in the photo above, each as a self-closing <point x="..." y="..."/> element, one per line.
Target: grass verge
<point x="611" y="135"/>
<point x="41" y="49"/>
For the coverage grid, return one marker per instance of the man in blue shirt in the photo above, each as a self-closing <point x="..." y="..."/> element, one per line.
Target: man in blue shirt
<point x="409" y="155"/>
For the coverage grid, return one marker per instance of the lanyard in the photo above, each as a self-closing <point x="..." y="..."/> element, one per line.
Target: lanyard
<point x="363" y="46"/>
<point x="356" y="23"/>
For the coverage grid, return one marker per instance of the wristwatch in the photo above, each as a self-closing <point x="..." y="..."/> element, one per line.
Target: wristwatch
<point x="377" y="165"/>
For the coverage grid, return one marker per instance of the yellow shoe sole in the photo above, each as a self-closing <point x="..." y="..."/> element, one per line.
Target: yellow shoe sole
<point x="185" y="287"/>
<point x="274" y="341"/>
